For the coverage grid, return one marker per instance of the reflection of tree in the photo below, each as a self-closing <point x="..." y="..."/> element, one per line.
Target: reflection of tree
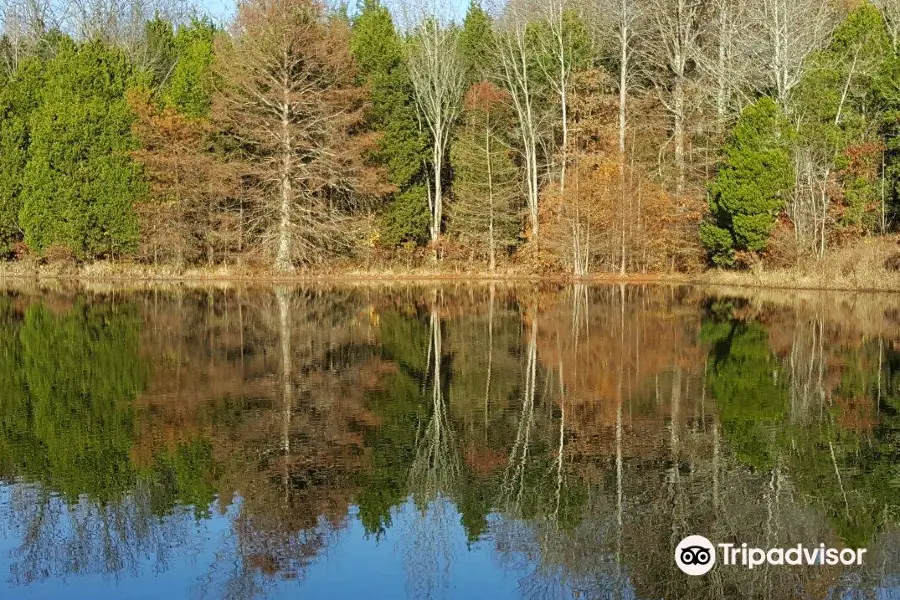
<point x="435" y="469"/>
<point x="293" y="457"/>
<point x="752" y="395"/>
<point x="580" y="441"/>
<point x="64" y="538"/>
<point x="69" y="383"/>
<point x="433" y="479"/>
<point x="800" y="404"/>
<point x="513" y="488"/>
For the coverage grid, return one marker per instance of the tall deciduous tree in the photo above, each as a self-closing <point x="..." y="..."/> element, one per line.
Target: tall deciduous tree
<point x="80" y="183"/>
<point x="288" y="95"/>
<point x="752" y="186"/>
<point x="565" y="49"/>
<point x="616" y="24"/>
<point x="484" y="213"/>
<point x="438" y="79"/>
<point x="673" y="45"/>
<point x="519" y="76"/>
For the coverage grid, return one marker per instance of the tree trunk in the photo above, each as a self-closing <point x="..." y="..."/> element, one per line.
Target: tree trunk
<point x="623" y="99"/>
<point x="490" y="174"/>
<point x="679" y="135"/>
<point x="286" y="390"/>
<point x="284" y="260"/>
<point x="438" y="158"/>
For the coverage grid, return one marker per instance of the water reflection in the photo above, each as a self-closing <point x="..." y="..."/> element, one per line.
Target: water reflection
<point x="478" y="441"/>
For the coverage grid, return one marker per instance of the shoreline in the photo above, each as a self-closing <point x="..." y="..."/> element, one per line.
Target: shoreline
<point x="794" y="279"/>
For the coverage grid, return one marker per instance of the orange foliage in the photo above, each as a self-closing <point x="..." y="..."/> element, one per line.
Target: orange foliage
<point x="610" y="215"/>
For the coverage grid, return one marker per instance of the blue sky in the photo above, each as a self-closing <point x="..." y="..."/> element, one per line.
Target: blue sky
<point x="222" y="10"/>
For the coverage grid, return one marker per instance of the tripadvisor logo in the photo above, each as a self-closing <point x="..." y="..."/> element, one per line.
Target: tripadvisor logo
<point x="696" y="555"/>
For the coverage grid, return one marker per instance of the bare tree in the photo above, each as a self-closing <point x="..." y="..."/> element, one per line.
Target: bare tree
<point x="891" y="11"/>
<point x="22" y="23"/>
<point x="518" y="77"/>
<point x="620" y="24"/>
<point x="673" y="45"/>
<point x="288" y="96"/>
<point x="438" y="79"/>
<point x="122" y="23"/>
<point x="730" y="62"/>
<point x="789" y="30"/>
<point x="560" y="51"/>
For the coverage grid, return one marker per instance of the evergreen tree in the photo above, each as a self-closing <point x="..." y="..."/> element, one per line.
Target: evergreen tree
<point x="750" y="188"/>
<point x="19" y="97"/>
<point x="159" y="50"/>
<point x="476" y="44"/>
<point x="80" y="183"/>
<point x="839" y="107"/>
<point x="484" y="213"/>
<point x="403" y="149"/>
<point x="189" y="88"/>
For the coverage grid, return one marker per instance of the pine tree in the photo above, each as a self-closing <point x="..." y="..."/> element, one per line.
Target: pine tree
<point x="402" y="150"/>
<point x="476" y="44"/>
<point x="486" y="187"/>
<point x="80" y="184"/>
<point x="750" y="188"/>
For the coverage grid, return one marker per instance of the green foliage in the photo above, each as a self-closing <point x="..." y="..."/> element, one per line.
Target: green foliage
<point x="80" y="183"/>
<point x="186" y="475"/>
<point x="19" y="97"/>
<point x="751" y="187"/>
<point x="392" y="446"/>
<point x="400" y="408"/>
<point x="486" y="181"/>
<point x="744" y="378"/>
<point x="771" y="422"/>
<point x="839" y="104"/>
<point x="189" y="88"/>
<point x="159" y="41"/>
<point x="67" y="384"/>
<point x="403" y="147"/>
<point x="405" y="218"/>
<point x="476" y="44"/>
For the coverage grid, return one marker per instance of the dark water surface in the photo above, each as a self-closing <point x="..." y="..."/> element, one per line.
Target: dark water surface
<point x="443" y="442"/>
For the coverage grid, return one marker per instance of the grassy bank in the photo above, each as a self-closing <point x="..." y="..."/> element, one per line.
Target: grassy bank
<point x="860" y="267"/>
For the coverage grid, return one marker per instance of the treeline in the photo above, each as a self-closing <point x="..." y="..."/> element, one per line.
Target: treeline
<point x="569" y="135"/>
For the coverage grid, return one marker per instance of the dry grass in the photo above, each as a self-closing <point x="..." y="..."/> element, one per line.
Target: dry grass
<point x="860" y="267"/>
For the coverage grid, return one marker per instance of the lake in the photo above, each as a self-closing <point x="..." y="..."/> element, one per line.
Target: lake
<point x="454" y="441"/>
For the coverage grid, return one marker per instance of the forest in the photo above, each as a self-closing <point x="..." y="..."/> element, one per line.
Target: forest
<point x="555" y="136"/>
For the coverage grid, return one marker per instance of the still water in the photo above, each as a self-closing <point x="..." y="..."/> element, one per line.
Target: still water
<point x="482" y="441"/>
